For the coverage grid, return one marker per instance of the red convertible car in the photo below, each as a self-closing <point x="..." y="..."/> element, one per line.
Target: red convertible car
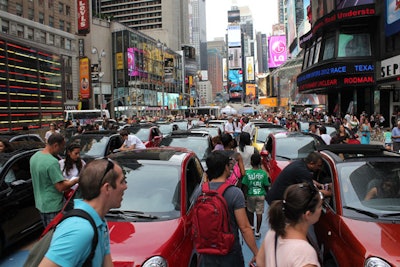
<point x="360" y="222"/>
<point x="283" y="147"/>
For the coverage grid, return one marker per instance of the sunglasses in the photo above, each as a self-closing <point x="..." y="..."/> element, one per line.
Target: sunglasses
<point x="313" y="192"/>
<point x="110" y="166"/>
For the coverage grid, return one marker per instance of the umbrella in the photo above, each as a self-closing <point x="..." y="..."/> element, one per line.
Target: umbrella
<point x="228" y="110"/>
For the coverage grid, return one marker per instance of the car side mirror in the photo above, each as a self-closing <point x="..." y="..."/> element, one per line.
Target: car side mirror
<point x="264" y="153"/>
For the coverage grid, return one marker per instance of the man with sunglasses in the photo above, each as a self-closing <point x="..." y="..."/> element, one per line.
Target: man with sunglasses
<point x="48" y="181"/>
<point x="102" y="184"/>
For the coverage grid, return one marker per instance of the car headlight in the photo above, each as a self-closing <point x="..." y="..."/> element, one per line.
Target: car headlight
<point x="376" y="262"/>
<point x="155" y="261"/>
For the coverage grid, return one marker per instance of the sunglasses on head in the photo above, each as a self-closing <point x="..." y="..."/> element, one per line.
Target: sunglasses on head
<point x="313" y="192"/>
<point x="110" y="166"/>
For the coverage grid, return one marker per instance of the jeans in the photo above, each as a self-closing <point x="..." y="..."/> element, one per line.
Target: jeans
<point x="47" y="217"/>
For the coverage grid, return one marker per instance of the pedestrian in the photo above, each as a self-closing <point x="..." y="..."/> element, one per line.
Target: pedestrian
<point x="217" y="172"/>
<point x="341" y="137"/>
<point x="53" y="129"/>
<point x="236" y="160"/>
<point x="47" y="179"/>
<point x="298" y="171"/>
<point x="130" y="141"/>
<point x="255" y="186"/>
<point x="72" y="165"/>
<point x="102" y="184"/>
<point x="396" y="137"/>
<point x="245" y="149"/>
<point x="6" y="146"/>
<point x="290" y="219"/>
<point x="326" y="137"/>
<point x="365" y="129"/>
<point x="228" y="127"/>
<point x="217" y="143"/>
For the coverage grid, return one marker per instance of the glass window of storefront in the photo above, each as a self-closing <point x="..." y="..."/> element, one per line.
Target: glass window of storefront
<point x="354" y="45"/>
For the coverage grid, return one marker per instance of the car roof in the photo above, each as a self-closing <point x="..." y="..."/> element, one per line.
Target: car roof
<point x="171" y="155"/>
<point x="188" y="133"/>
<point x="345" y="152"/>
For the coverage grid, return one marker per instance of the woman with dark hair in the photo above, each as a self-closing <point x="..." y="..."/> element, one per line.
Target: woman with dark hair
<point x="72" y="165"/>
<point x="5" y="146"/>
<point x="290" y="220"/>
<point x="245" y="149"/>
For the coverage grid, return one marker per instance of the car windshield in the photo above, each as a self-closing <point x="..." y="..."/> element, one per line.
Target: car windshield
<point x="141" y="133"/>
<point x="295" y="147"/>
<point x="262" y="133"/>
<point x="94" y="146"/>
<point x="196" y="144"/>
<point x="380" y="179"/>
<point x="212" y="131"/>
<point x="165" y="128"/>
<point x="152" y="189"/>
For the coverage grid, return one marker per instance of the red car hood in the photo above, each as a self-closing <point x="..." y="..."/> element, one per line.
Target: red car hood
<point x="380" y="239"/>
<point x="132" y="243"/>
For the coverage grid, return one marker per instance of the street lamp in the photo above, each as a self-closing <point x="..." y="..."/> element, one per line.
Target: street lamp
<point x="100" y="73"/>
<point x="162" y="47"/>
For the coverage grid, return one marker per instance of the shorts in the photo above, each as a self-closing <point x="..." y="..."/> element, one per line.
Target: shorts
<point x="256" y="204"/>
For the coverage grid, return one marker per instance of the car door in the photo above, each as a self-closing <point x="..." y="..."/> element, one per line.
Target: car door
<point x="19" y="215"/>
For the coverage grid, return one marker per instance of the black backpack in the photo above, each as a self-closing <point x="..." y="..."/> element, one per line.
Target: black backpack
<point x="42" y="246"/>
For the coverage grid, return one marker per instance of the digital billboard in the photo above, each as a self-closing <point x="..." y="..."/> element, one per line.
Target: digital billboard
<point x="234" y="36"/>
<point x="392" y="12"/>
<point x="235" y="57"/>
<point x="134" y="62"/>
<point x="340" y="4"/>
<point x="321" y="8"/>
<point x="250" y="68"/>
<point x="276" y="51"/>
<point x="233" y="16"/>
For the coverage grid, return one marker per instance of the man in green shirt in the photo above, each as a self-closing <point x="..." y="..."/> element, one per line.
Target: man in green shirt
<point x="47" y="179"/>
<point x="255" y="185"/>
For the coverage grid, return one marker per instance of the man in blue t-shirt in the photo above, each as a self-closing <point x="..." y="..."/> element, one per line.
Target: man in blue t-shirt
<point x="102" y="184"/>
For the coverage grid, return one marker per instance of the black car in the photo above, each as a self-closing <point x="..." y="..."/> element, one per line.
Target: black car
<point x="19" y="216"/>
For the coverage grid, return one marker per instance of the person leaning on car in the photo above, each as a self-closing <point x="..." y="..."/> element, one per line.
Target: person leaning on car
<point x="298" y="171"/>
<point x="131" y="141"/>
<point x="47" y="179"/>
<point x="102" y="184"/>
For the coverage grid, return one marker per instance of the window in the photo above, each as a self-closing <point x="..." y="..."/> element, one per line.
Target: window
<point x="61" y="25"/>
<point x="42" y="36"/>
<point x="20" y="31"/>
<point x="61" y="8"/>
<point x="18" y="9"/>
<point x="51" y="3"/>
<point x="329" y="48"/>
<point x="31" y="14"/>
<point x="317" y="50"/>
<point x="4" y="26"/>
<point x="41" y="17"/>
<point x="50" y="39"/>
<point x="68" y="44"/>
<point x="51" y="21"/>
<point x="354" y="45"/>
<point x="4" y="5"/>
<point x="67" y="10"/>
<point x="311" y="56"/>
<point x="30" y="33"/>
<point x="68" y="27"/>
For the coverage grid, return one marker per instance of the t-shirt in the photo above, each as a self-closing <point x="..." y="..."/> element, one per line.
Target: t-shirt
<point x="74" y="172"/>
<point x="295" y="173"/>
<point x="246" y="154"/>
<point x="72" y="240"/>
<point x="300" y="251"/>
<point x="256" y="180"/>
<point x="46" y="172"/>
<point x="134" y="140"/>
<point x="327" y="138"/>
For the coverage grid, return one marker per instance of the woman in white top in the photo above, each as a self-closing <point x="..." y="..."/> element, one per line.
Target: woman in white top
<point x="53" y="129"/>
<point x="290" y="220"/>
<point x="245" y="149"/>
<point x="72" y="165"/>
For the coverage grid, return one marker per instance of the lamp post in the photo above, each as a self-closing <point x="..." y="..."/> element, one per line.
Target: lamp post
<point x="100" y="73"/>
<point x="162" y="47"/>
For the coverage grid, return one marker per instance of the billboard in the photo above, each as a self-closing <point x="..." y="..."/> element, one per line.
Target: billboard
<point x="134" y="62"/>
<point x="250" y="68"/>
<point x="235" y="57"/>
<point x="233" y="16"/>
<point x="84" y="78"/>
<point x="340" y="4"/>
<point x="392" y="21"/>
<point x="291" y="22"/>
<point x="225" y="70"/>
<point x="320" y="8"/>
<point x="276" y="51"/>
<point x="234" y="36"/>
<point x="83" y="16"/>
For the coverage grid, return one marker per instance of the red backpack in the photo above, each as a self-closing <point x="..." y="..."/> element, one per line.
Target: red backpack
<point x="211" y="229"/>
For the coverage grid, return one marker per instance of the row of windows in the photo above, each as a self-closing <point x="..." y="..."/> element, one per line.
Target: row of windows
<point x="131" y="5"/>
<point x="35" y="35"/>
<point x="344" y="44"/>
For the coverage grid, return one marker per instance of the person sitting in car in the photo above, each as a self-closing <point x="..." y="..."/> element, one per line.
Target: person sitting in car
<point x="130" y="141"/>
<point x="388" y="188"/>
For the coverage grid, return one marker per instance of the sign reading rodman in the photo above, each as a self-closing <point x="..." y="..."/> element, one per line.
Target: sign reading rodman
<point x="83" y="17"/>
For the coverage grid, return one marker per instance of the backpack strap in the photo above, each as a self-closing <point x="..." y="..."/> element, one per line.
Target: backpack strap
<point x="85" y="215"/>
<point x="205" y="187"/>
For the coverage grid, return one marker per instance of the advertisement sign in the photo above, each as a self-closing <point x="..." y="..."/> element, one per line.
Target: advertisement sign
<point x="250" y="68"/>
<point x="392" y="12"/>
<point x="276" y="51"/>
<point x="233" y="16"/>
<point x="235" y="57"/>
<point x="390" y="67"/>
<point x="321" y="8"/>
<point x="291" y="21"/>
<point x="84" y="78"/>
<point x="234" y="36"/>
<point x="83" y="16"/>
<point x="135" y="61"/>
<point x="340" y="4"/>
<point x="224" y="70"/>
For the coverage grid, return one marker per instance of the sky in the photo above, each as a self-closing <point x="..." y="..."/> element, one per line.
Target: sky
<point x="265" y="14"/>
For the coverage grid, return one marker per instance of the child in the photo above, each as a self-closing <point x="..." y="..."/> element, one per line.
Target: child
<point x="388" y="139"/>
<point x="255" y="186"/>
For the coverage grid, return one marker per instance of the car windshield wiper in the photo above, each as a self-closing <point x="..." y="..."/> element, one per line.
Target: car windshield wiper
<point x="130" y="214"/>
<point x="368" y="213"/>
<point x="391" y="214"/>
<point x="283" y="157"/>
